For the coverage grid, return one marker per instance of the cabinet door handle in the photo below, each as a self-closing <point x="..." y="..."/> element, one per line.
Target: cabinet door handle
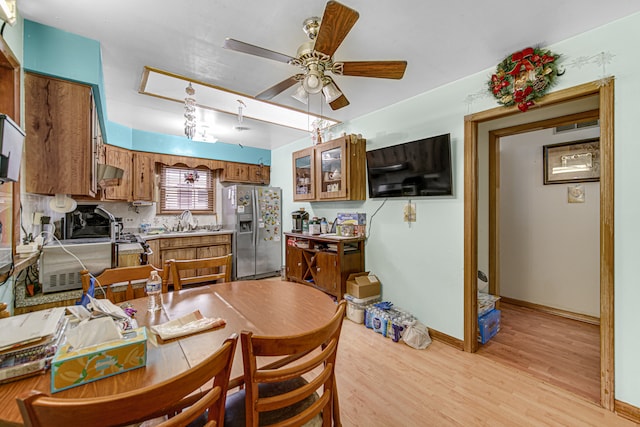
<point x="299" y="264"/>
<point x="318" y="269"/>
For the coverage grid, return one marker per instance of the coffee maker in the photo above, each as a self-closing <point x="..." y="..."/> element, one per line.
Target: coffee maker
<point x="298" y="217"/>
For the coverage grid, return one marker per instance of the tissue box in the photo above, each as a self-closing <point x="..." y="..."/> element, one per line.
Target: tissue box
<point x="70" y="368"/>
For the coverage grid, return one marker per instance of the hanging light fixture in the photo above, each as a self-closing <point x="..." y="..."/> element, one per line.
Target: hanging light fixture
<point x="301" y="95"/>
<point x="190" y="112"/>
<point x="331" y="91"/>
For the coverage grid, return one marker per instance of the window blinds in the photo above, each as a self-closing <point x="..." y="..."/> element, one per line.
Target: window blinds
<point x="186" y="188"/>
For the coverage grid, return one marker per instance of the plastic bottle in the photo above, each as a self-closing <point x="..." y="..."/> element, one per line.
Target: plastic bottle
<point x="323" y="226"/>
<point x="154" y="292"/>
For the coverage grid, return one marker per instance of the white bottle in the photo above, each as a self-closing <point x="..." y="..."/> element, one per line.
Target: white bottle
<point x="154" y="292"/>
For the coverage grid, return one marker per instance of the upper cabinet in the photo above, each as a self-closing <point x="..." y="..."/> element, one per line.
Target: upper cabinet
<point x="61" y="143"/>
<point x="245" y="173"/>
<point x="334" y="170"/>
<point x="143" y="176"/>
<point x="304" y="177"/>
<point x="120" y="158"/>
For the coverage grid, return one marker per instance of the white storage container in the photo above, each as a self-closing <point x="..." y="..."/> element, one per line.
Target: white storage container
<point x="355" y="306"/>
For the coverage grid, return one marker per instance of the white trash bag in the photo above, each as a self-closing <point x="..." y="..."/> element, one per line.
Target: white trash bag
<point x="416" y="335"/>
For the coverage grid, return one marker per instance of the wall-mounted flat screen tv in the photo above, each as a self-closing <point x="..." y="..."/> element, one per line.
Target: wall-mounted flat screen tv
<point x="413" y="169"/>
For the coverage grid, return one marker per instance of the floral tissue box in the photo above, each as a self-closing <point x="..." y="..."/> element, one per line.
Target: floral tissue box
<point x="71" y="368"/>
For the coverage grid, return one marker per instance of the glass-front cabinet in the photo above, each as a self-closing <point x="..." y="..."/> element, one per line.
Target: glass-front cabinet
<point x="332" y="176"/>
<point x="304" y="179"/>
<point x="334" y="170"/>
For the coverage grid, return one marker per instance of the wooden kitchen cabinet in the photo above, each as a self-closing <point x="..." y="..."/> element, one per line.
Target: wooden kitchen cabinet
<point x="323" y="262"/>
<point x="304" y="176"/>
<point x="331" y="171"/>
<point x="235" y="172"/>
<point x="154" y="258"/>
<point x="60" y="144"/>
<point x="121" y="158"/>
<point x="246" y="173"/>
<point x="192" y="247"/>
<point x="143" y="176"/>
<point x="259" y="174"/>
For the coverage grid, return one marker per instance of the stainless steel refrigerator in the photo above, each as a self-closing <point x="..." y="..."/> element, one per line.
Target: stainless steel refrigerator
<point x="255" y="213"/>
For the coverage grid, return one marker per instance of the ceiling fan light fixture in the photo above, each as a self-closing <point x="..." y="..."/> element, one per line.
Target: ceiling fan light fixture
<point x="312" y="81"/>
<point x="331" y="92"/>
<point x="301" y="95"/>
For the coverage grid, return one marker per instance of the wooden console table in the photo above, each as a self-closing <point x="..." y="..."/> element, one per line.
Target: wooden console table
<point x="323" y="261"/>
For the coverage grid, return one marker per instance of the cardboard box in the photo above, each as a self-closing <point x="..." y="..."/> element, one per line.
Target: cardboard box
<point x="363" y="285"/>
<point x="70" y="368"/>
<point x="488" y="326"/>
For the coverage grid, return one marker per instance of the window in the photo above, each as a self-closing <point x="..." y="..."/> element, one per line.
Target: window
<point x="184" y="188"/>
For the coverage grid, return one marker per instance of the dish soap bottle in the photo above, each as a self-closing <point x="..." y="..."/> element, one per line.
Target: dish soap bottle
<point x="154" y="292"/>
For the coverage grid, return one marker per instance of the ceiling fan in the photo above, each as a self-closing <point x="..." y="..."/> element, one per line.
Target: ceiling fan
<point x="315" y="57"/>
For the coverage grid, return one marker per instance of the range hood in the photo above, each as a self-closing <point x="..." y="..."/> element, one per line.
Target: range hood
<point x="109" y="176"/>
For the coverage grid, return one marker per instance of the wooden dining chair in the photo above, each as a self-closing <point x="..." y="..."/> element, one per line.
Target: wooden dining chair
<point x="178" y="393"/>
<point x="203" y="270"/>
<point x="296" y="389"/>
<point x="119" y="276"/>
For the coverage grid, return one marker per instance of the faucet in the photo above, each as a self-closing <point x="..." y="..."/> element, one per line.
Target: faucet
<point x="184" y="220"/>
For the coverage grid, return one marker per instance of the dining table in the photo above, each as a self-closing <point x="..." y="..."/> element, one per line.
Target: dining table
<point x="265" y="307"/>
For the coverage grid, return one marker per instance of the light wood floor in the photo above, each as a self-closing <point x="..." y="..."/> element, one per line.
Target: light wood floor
<point x="382" y="383"/>
<point x="554" y="349"/>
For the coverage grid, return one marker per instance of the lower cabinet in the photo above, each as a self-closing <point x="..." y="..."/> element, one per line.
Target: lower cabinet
<point x="323" y="263"/>
<point x="192" y="247"/>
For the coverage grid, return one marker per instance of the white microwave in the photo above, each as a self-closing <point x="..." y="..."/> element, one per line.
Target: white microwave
<point x="60" y="266"/>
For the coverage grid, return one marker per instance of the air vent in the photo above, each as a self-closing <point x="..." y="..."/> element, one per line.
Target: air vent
<point x="577" y="126"/>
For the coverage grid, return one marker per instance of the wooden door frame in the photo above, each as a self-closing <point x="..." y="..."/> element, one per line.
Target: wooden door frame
<point x="606" y="116"/>
<point x="10" y="105"/>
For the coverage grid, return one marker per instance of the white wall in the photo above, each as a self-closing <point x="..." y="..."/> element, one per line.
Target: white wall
<point x="549" y="248"/>
<point x="421" y="267"/>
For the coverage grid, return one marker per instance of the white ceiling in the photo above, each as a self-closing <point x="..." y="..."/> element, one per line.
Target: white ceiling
<point x="441" y="41"/>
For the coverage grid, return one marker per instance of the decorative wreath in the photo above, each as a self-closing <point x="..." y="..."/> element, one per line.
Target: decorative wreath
<point x="523" y="77"/>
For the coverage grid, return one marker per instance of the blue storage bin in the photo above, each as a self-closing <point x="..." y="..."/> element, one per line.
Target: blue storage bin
<point x="488" y="326"/>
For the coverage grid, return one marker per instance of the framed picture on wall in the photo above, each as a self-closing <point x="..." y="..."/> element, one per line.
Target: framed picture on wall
<point x="576" y="161"/>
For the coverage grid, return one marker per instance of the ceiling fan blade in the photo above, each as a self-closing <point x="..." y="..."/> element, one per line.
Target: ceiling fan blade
<point x="379" y="69"/>
<point x="336" y="23"/>
<point x="243" y="47"/>
<point x="339" y="103"/>
<point x="277" y="88"/>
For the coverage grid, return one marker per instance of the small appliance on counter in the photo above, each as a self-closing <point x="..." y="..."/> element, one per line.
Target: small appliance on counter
<point x="90" y="221"/>
<point x="298" y="218"/>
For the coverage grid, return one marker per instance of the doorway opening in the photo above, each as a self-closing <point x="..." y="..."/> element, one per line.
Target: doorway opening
<point x="487" y="125"/>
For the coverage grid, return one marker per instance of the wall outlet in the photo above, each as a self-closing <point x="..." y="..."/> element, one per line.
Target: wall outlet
<point x="128" y="220"/>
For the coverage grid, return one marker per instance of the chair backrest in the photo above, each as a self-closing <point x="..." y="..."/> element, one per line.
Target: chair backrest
<point x="311" y="354"/>
<point x="119" y="275"/>
<point x="167" y="397"/>
<point x="203" y="270"/>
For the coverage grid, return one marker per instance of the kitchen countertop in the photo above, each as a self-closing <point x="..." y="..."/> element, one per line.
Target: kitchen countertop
<point x="185" y="234"/>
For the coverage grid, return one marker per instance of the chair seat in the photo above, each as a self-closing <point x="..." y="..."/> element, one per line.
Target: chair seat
<point x="235" y="411"/>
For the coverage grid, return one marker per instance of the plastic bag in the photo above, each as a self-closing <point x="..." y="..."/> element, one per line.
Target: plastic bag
<point x="416" y="335"/>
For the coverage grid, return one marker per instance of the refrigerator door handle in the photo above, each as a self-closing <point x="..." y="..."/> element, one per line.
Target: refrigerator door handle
<point x="256" y="222"/>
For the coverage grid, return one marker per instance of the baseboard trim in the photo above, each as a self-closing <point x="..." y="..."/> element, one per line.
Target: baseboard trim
<point x="627" y="411"/>
<point x="551" y="310"/>
<point x="447" y="339"/>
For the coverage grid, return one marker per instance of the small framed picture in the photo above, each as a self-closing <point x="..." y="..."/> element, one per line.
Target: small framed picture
<point x="575" y="193"/>
<point x="577" y="161"/>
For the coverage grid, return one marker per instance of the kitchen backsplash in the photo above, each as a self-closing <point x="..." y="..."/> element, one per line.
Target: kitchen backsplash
<point x="132" y="216"/>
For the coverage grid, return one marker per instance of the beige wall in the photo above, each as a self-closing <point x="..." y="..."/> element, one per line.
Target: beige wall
<point x="549" y="248"/>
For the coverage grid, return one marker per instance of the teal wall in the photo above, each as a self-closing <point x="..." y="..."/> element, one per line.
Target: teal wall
<point x="57" y="53"/>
